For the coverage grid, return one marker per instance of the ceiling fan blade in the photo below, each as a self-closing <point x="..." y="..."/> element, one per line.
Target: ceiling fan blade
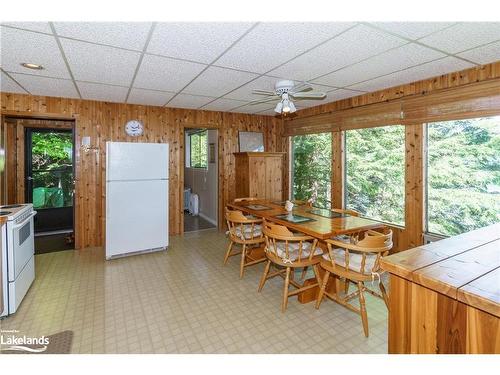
<point x="269" y="100"/>
<point x="301" y="87"/>
<point x="309" y="95"/>
<point x="263" y="92"/>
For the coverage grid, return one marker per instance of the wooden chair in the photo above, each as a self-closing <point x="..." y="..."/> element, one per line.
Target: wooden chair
<point x="345" y="211"/>
<point x="298" y="202"/>
<point x="246" y="199"/>
<point x="287" y="251"/>
<point x="340" y="238"/>
<point x="356" y="262"/>
<point x="246" y="232"/>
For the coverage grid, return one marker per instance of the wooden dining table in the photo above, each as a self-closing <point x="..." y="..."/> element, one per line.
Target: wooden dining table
<point x="318" y="226"/>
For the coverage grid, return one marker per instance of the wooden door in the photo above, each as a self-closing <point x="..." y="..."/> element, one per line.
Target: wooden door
<point x="257" y="176"/>
<point x="274" y="178"/>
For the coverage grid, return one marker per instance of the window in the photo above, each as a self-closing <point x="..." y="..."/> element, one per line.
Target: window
<point x="463" y="175"/>
<point x="198" y="149"/>
<point x="375" y="172"/>
<point x="312" y="168"/>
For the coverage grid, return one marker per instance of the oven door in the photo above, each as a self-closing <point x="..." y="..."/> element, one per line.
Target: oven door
<point x="20" y="245"/>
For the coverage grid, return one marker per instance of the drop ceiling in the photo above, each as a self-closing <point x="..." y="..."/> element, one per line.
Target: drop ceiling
<point x="215" y="66"/>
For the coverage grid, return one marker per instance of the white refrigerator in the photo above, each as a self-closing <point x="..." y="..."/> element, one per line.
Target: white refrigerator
<point x="136" y="198"/>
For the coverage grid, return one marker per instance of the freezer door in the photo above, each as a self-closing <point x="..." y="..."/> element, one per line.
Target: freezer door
<point x="136" y="216"/>
<point x="136" y="161"/>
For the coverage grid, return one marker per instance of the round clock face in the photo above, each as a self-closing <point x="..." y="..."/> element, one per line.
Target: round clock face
<point x="134" y="128"/>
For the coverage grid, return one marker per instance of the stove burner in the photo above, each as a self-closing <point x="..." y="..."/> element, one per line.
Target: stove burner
<point x="4" y="213"/>
<point x="12" y="206"/>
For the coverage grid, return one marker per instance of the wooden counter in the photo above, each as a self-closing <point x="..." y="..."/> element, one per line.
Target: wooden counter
<point x="445" y="296"/>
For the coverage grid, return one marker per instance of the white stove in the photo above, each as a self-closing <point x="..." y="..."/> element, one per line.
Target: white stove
<point x="18" y="250"/>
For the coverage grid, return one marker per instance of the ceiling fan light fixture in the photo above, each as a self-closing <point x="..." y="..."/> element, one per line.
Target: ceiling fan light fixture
<point x="292" y="107"/>
<point x="279" y="107"/>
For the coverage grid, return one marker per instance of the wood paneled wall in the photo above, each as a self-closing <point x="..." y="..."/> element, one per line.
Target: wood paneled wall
<point x="104" y="121"/>
<point x="382" y="102"/>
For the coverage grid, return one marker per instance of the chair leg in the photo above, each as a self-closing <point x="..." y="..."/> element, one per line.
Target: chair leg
<point x="264" y="275"/>
<point x="346" y="286"/>
<point x="285" y="290"/>
<point x="384" y="294"/>
<point x="322" y="288"/>
<point x="362" y="308"/>
<point x="304" y="272"/>
<point x="243" y="259"/>
<point x="228" y="252"/>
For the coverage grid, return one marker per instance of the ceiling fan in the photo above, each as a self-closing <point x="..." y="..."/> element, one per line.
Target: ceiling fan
<point x="284" y="92"/>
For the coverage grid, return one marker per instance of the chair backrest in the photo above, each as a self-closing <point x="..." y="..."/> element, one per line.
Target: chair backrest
<point x="246" y="199"/>
<point x="239" y="225"/>
<point x="345" y="211"/>
<point x="370" y="248"/>
<point x="281" y="242"/>
<point x="302" y="203"/>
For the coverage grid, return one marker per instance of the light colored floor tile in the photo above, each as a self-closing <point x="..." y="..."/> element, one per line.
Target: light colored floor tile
<point x="183" y="301"/>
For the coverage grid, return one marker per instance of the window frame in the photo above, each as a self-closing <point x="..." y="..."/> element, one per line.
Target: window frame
<point x="199" y="134"/>
<point x="344" y="176"/>
<point x="292" y="167"/>
<point x="425" y="173"/>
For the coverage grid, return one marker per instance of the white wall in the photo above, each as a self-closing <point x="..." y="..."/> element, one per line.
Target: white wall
<point x="204" y="181"/>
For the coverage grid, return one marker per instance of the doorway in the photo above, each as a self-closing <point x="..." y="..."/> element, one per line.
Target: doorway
<point x="40" y="169"/>
<point x="49" y="175"/>
<point x="200" y="196"/>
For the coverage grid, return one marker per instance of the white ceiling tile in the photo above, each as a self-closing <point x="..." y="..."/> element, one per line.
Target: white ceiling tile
<point x="348" y="48"/>
<point x="483" y="55"/>
<point x="412" y="30"/>
<point x="196" y="41"/>
<point x="8" y="85"/>
<point x="38" y="85"/>
<point x="271" y="44"/>
<point x="189" y="101"/>
<point x="245" y="92"/>
<point x="393" y="60"/>
<point x="149" y="97"/>
<point x="223" y="104"/>
<point x="18" y="46"/>
<point x="417" y="73"/>
<point x="254" y="108"/>
<point x="218" y="81"/>
<point x="95" y="91"/>
<point x="464" y="36"/>
<point x="101" y="64"/>
<point x="42" y="27"/>
<point x="342" y="94"/>
<point x="131" y="35"/>
<point x="161" y="73"/>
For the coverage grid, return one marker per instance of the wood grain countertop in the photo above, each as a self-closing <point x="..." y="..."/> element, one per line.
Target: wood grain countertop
<point x="464" y="267"/>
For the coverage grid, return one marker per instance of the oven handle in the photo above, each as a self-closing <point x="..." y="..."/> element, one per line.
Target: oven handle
<point x="25" y="221"/>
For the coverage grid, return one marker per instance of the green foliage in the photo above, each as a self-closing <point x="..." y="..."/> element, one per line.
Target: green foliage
<point x="463" y="175"/>
<point x="312" y="168"/>
<point x="375" y="172"/>
<point x="52" y="163"/>
<point x="198" y="149"/>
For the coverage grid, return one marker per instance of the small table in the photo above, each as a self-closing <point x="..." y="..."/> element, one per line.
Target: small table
<point x="445" y="296"/>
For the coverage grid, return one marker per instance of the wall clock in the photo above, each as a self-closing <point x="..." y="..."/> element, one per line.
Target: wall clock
<point x="134" y="128"/>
